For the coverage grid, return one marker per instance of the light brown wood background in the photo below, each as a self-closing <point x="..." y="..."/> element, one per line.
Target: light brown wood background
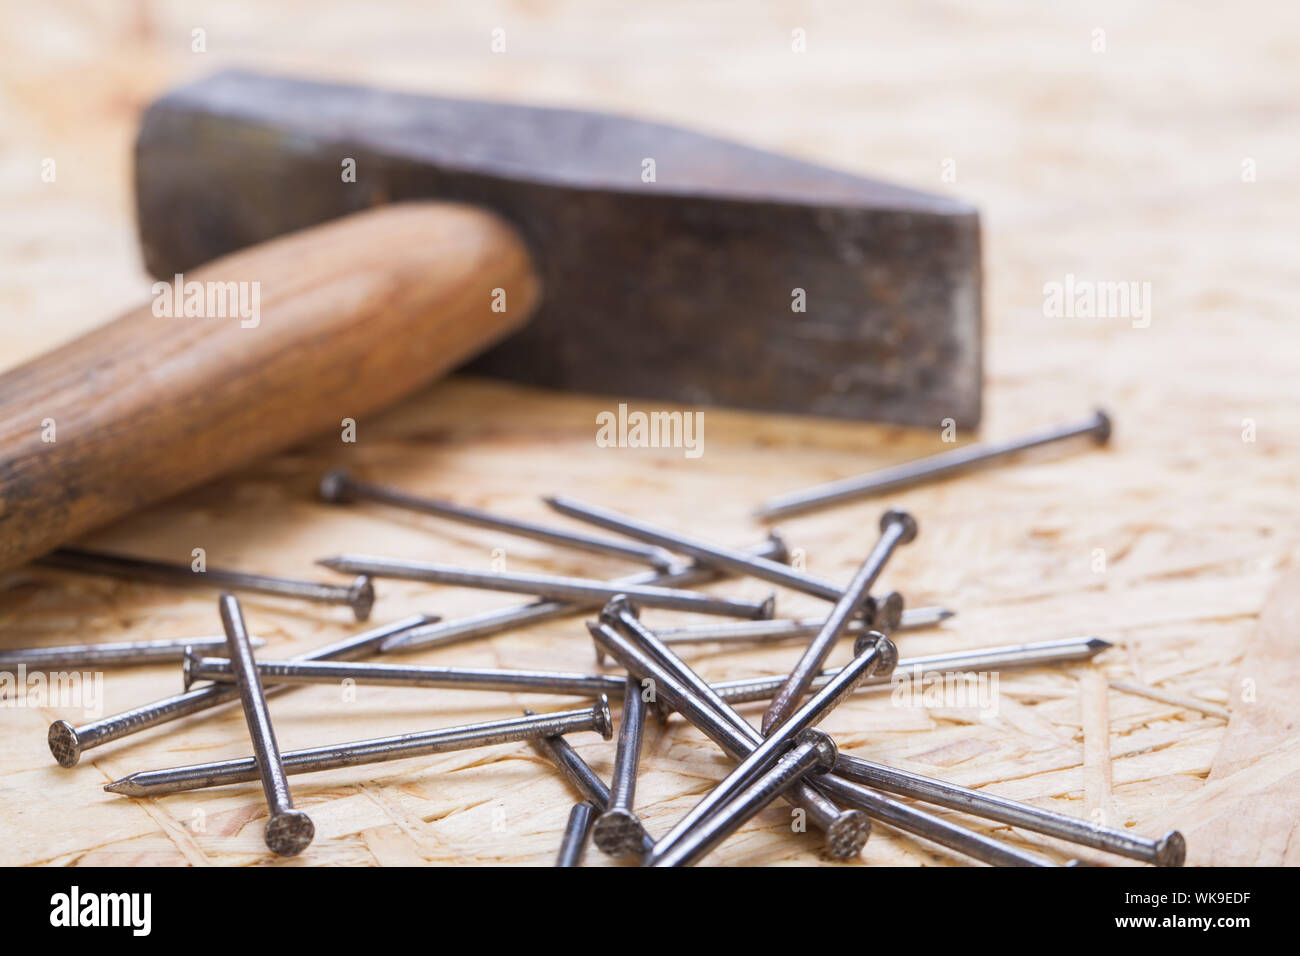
<point x="1122" y="165"/>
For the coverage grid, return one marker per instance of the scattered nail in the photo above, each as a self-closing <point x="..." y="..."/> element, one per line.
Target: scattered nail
<point x="119" y="653"/>
<point x="288" y="831"/>
<point x="813" y="750"/>
<point x="397" y="675"/>
<point x="359" y="595"/>
<point x="340" y="487"/>
<point x="575" y="835"/>
<point x="67" y="743"/>
<point x="618" y="830"/>
<point x="933" y="468"/>
<point x="896" y="527"/>
<point x="498" y="620"/>
<point x="551" y="586"/>
<point x="153" y="783"/>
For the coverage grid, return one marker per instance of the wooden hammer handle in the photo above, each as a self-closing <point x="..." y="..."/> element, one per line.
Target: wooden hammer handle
<point x="350" y="316"/>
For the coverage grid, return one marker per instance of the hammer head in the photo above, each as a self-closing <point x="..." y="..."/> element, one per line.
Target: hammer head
<point x="675" y="266"/>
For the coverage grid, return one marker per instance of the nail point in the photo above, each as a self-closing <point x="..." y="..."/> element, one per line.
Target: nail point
<point x="123" y="786"/>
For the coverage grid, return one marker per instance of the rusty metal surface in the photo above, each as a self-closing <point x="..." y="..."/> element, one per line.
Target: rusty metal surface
<point x="678" y="289"/>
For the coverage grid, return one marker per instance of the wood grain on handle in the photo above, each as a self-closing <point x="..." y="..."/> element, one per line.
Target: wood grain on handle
<point x="353" y="315"/>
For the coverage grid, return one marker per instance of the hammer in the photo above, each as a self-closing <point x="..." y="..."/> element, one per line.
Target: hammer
<point x="323" y="250"/>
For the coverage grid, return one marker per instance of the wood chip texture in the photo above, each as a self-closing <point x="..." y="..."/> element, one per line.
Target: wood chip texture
<point x="1157" y="158"/>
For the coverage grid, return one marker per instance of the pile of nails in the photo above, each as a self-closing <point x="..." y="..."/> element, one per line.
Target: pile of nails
<point x="786" y="757"/>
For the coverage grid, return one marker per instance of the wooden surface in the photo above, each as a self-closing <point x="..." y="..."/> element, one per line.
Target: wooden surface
<point x="1123" y="165"/>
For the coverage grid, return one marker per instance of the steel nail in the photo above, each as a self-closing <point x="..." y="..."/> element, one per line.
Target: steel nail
<point x="813" y="751"/>
<point x="396" y="675"/>
<point x="581" y="777"/>
<point x="153" y="783"/>
<point x="879" y="655"/>
<point x="288" y="831"/>
<point x="338" y="486"/>
<point x="575" y="835"/>
<point x="1168" y="850"/>
<point x="720" y="722"/>
<point x="118" y="653"/>
<point x="551" y="586"/>
<point x="67" y="743"/>
<point x="896" y="527"/>
<point x="782" y="738"/>
<point x="497" y="620"/>
<point x="846" y="830"/>
<point x="521" y="615"/>
<point x="747" y="689"/>
<point x="910" y="819"/>
<point x="943" y="465"/>
<point x="618" y="829"/>
<point x="788" y="629"/>
<point x="359" y="595"/>
<point x="740" y="562"/>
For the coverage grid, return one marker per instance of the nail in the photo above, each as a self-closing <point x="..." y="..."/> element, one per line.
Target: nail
<point x="748" y="689"/>
<point x="846" y="830"/>
<point x="909" y="819"/>
<point x="759" y="753"/>
<point x="581" y="777"/>
<point x="575" y="835"/>
<point x="813" y="751"/>
<point x="1168" y="850"/>
<point x="917" y="618"/>
<point x="288" y="830"/>
<point x="933" y="468"/>
<point x="618" y="830"/>
<point x="739" y="562"/>
<point x="153" y="783"/>
<point x="886" y="615"/>
<point x="782" y="738"/>
<point x="720" y="722"/>
<point x="550" y="586"/>
<point x="444" y="633"/>
<point x="896" y="527"/>
<point x="395" y="675"/>
<point x="113" y="654"/>
<point x="359" y="595"/>
<point x="339" y="487"/>
<point x="521" y="615"/>
<point x="764" y="632"/>
<point x="67" y="743"/>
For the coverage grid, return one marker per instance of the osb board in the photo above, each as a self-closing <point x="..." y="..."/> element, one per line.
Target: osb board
<point x="1122" y="165"/>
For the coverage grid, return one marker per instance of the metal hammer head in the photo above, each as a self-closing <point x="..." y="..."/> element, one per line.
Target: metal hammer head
<point x="676" y="266"/>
